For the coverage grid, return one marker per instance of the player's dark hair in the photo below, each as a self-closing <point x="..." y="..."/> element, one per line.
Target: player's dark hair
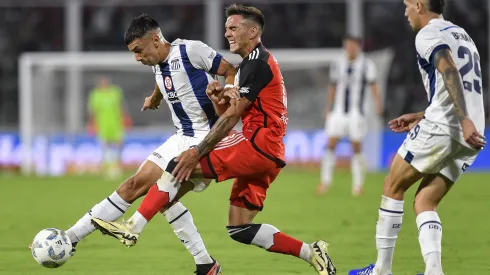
<point x="437" y="6"/>
<point x="354" y="38"/>
<point x="140" y="26"/>
<point x="248" y="12"/>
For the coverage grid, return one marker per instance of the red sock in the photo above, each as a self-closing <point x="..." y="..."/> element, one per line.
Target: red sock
<point x="153" y="202"/>
<point x="286" y="244"/>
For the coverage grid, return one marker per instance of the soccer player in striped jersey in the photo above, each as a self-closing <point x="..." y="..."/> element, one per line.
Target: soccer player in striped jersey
<point x="183" y="69"/>
<point x="443" y="141"/>
<point x="352" y="76"/>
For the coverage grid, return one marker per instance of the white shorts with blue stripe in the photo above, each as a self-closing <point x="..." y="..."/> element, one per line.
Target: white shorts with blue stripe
<point x="172" y="148"/>
<point x="430" y="150"/>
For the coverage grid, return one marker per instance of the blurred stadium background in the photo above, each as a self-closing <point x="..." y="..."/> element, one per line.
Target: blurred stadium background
<point x="47" y="108"/>
<point x="43" y="98"/>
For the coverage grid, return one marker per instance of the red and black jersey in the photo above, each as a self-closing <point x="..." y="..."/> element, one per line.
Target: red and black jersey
<point x="264" y="122"/>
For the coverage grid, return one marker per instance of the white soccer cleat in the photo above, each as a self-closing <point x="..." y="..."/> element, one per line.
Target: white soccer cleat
<point x="320" y="259"/>
<point x="119" y="230"/>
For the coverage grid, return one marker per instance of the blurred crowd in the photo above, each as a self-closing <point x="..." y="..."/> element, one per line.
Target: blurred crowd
<point x="288" y="26"/>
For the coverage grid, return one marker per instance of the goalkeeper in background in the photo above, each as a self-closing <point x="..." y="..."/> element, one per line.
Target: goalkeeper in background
<point x="107" y="119"/>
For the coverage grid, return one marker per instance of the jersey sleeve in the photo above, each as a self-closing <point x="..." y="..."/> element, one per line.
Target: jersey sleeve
<point x="254" y="76"/>
<point x="334" y="72"/>
<point x="371" y="72"/>
<point x="203" y="57"/>
<point x="428" y="42"/>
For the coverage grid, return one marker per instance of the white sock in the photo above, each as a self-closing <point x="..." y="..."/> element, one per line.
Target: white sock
<point x="387" y="229"/>
<point x="181" y="221"/>
<point x="430" y="238"/>
<point x="305" y="252"/>
<point x="137" y="222"/>
<point x="110" y="209"/>
<point x="328" y="166"/>
<point x="357" y="166"/>
<point x="167" y="183"/>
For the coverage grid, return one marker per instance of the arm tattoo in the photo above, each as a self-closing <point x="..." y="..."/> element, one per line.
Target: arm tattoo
<point x="219" y="131"/>
<point x="453" y="83"/>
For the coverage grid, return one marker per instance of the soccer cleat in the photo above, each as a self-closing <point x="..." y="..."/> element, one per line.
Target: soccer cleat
<point x="73" y="248"/>
<point x="364" y="271"/>
<point x="320" y="259"/>
<point x="209" y="269"/>
<point x="118" y="230"/>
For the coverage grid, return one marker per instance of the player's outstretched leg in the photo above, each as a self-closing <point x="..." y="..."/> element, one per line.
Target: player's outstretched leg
<point x="401" y="176"/>
<point x="114" y="206"/>
<point x="270" y="238"/>
<point x="431" y="191"/>
<point x="159" y="198"/>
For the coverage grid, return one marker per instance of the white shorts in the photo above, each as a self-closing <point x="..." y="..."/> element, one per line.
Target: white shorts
<point x="172" y="148"/>
<point x="352" y="126"/>
<point x="430" y="150"/>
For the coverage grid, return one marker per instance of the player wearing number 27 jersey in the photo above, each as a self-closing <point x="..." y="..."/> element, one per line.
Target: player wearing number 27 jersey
<point x="443" y="141"/>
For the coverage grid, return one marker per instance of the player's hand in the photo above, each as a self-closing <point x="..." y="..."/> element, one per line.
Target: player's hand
<point x="471" y="135"/>
<point x="152" y="102"/>
<point x="404" y="123"/>
<point x="214" y="90"/>
<point x="187" y="162"/>
<point x="228" y="94"/>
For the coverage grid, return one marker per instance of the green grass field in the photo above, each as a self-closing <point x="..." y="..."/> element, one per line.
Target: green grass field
<point x="348" y="224"/>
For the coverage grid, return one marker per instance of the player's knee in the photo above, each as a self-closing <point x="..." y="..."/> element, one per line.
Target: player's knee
<point x="132" y="189"/>
<point x="423" y="203"/>
<point x="394" y="187"/>
<point x="171" y="166"/>
<point x="243" y="233"/>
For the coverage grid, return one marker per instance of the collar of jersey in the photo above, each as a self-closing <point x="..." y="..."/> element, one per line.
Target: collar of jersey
<point x="436" y="19"/>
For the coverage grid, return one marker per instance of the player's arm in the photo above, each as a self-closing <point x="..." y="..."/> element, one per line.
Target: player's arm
<point x="371" y="78"/>
<point x="444" y="63"/>
<point x="228" y="71"/>
<point x="254" y="77"/>
<point x="223" y="126"/>
<point x="377" y="98"/>
<point x="206" y="58"/>
<point x="157" y="93"/>
<point x="332" y="88"/>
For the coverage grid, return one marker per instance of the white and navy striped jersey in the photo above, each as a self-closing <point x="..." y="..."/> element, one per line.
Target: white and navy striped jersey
<point x="183" y="79"/>
<point x="351" y="79"/>
<point x="437" y="35"/>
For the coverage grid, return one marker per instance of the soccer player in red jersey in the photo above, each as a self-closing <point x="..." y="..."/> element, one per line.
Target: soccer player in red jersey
<point x="253" y="157"/>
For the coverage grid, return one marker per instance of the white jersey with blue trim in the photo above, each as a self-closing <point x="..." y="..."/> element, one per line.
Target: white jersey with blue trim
<point x="183" y="79"/>
<point x="437" y="35"/>
<point x="351" y="79"/>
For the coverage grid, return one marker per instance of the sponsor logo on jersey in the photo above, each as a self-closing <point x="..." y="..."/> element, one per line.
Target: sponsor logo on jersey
<point x="244" y="90"/>
<point x="168" y="83"/>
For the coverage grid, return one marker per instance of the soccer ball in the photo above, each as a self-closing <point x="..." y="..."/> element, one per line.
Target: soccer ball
<point x="51" y="248"/>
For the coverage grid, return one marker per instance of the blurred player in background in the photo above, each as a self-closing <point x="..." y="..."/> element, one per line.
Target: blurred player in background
<point x="108" y="119"/>
<point x="443" y="141"/>
<point x="253" y="157"/>
<point x="183" y="69"/>
<point x="350" y="77"/>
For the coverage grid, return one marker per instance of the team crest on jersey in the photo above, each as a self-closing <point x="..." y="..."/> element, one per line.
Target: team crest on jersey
<point x="168" y="83"/>
<point x="175" y="64"/>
